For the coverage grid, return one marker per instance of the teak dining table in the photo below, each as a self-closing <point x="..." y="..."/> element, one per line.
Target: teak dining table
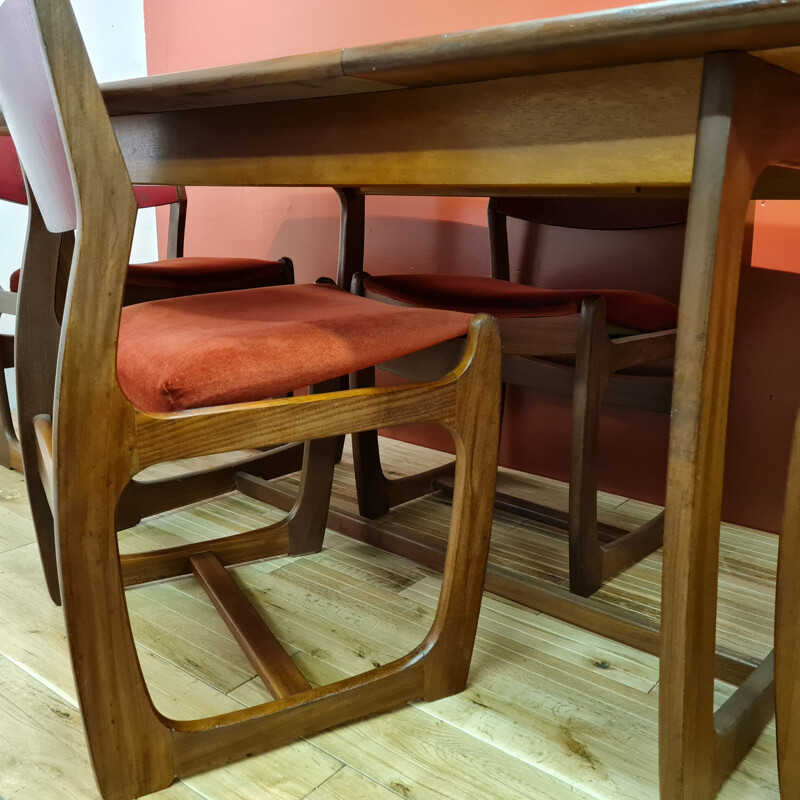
<point x="670" y="98"/>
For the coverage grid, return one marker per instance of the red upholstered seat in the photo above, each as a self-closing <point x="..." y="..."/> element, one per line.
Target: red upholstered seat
<point x="151" y="196"/>
<point x="12" y="184"/>
<point x="628" y="309"/>
<point x="231" y="347"/>
<point x="213" y="274"/>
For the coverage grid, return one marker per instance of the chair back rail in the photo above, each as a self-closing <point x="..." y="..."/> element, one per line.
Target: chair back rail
<point x="27" y="100"/>
<point x="595" y="213"/>
<point x="636" y="242"/>
<point x="58" y="120"/>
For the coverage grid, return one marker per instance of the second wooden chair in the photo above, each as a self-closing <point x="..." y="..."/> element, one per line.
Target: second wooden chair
<point x="573" y="339"/>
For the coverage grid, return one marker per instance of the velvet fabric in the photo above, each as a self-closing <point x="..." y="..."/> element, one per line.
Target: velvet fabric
<point x="252" y="344"/>
<point x="628" y="309"/>
<point x="150" y="196"/>
<point x="12" y="184"/>
<point x="213" y="274"/>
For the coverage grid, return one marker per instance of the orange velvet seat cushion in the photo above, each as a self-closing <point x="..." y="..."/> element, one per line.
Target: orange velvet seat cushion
<point x="240" y="346"/>
<point x="150" y="196"/>
<point x="209" y="273"/>
<point x="628" y="309"/>
<point x="12" y="184"/>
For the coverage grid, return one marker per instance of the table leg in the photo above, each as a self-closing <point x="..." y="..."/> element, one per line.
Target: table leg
<point x="745" y="124"/>
<point x="351" y="236"/>
<point x="787" y="634"/>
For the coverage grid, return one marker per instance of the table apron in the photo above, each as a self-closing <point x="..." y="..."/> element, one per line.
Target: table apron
<point x="617" y="128"/>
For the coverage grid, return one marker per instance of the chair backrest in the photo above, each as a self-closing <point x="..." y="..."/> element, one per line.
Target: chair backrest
<point x="590" y="243"/>
<point x="595" y="213"/>
<point x="29" y="108"/>
<point x="78" y="179"/>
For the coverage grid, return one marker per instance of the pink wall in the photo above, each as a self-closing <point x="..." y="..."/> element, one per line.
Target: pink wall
<point x="445" y="234"/>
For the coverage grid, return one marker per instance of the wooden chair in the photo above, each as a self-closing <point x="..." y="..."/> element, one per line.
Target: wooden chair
<point x="82" y="442"/>
<point x="563" y="339"/>
<point x="171" y="277"/>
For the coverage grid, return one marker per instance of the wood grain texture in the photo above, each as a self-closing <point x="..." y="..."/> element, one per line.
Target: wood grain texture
<point x="745" y="124"/>
<point x="535" y="587"/>
<point x="603" y="38"/>
<point x="496" y="151"/>
<point x="620" y="127"/>
<point x="289" y="78"/>
<point x="43" y="429"/>
<point x="665" y="32"/>
<point x="539" y="711"/>
<point x="272" y="664"/>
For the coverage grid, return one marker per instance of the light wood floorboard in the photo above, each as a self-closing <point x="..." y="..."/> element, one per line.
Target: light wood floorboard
<point x="551" y="712"/>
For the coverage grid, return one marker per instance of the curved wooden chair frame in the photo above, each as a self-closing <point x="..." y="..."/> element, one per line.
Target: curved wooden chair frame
<point x="142" y="497"/>
<point x="82" y="448"/>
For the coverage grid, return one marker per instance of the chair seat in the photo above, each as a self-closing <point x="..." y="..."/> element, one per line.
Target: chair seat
<point x="637" y="311"/>
<point x="197" y="273"/>
<point x="241" y="346"/>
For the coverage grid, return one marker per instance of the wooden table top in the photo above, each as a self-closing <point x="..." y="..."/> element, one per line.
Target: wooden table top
<point x="597" y="103"/>
<point x="637" y="34"/>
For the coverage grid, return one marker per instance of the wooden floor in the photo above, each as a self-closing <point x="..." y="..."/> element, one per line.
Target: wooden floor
<point x="551" y="711"/>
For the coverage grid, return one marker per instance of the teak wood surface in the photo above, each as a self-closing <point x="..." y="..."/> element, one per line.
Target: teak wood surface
<point x="617" y="102"/>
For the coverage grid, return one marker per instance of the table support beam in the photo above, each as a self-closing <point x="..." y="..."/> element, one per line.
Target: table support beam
<point x="747" y="122"/>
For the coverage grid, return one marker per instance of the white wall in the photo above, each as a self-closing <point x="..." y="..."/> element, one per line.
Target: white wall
<point x="114" y="34"/>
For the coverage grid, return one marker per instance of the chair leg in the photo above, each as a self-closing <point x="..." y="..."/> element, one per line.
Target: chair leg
<point x="375" y="492"/>
<point x="591" y="378"/>
<point x="129" y="743"/>
<point x="8" y="438"/>
<point x="372" y="488"/>
<point x="38" y="332"/>
<point x="309" y="515"/>
<point x="453" y="633"/>
<point x="787" y="634"/>
<point x="594" y="559"/>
